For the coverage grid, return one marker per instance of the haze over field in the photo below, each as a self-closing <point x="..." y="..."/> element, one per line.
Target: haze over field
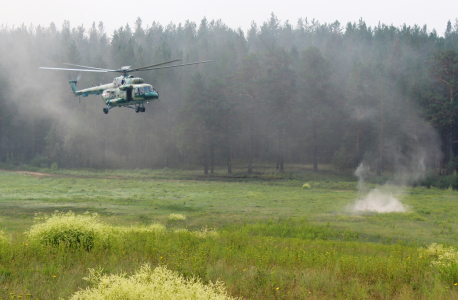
<point x="280" y="92"/>
<point x="235" y="13"/>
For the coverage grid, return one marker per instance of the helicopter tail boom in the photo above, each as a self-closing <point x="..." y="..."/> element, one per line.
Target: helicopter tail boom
<point x="73" y="84"/>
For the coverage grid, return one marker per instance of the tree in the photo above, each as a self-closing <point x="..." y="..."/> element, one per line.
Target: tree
<point x="315" y="97"/>
<point x="278" y="89"/>
<point x="442" y="108"/>
<point x="246" y="85"/>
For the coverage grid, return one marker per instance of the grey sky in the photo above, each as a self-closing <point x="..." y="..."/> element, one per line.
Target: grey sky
<point x="235" y="13"/>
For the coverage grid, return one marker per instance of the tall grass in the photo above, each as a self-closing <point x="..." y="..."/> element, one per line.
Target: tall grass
<point x="252" y="266"/>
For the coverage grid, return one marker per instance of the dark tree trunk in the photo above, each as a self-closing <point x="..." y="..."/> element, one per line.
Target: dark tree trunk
<point x="228" y="146"/>
<point x="103" y="153"/>
<point x="451" y="138"/>
<point x="280" y="157"/>
<point x="315" y="150"/>
<point x="357" y="147"/>
<point x="279" y="150"/>
<point x="2" y="157"/>
<point x="379" y="165"/>
<point x="212" y="158"/>
<point x="229" y="162"/>
<point x="205" y="163"/>
<point x="250" y="152"/>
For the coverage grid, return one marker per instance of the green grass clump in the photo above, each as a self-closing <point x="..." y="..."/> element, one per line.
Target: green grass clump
<point x="146" y="283"/>
<point x="176" y="217"/>
<point x="69" y="229"/>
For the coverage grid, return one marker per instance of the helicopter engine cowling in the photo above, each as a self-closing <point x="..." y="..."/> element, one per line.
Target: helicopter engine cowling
<point x="126" y="87"/>
<point x="116" y="101"/>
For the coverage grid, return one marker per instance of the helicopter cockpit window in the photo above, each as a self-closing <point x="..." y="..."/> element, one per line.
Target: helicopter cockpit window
<point x="123" y="81"/>
<point x="150" y="88"/>
<point x="140" y="91"/>
<point x="136" y="91"/>
<point x="146" y="89"/>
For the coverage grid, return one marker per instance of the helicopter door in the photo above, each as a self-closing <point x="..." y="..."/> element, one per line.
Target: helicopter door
<point x="129" y="95"/>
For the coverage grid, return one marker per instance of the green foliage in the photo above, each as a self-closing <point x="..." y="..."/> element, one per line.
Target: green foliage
<point x="441" y="182"/>
<point x="54" y="167"/>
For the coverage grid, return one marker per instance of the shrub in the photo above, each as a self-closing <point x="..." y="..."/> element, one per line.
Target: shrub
<point x="69" y="229"/>
<point x="205" y="232"/>
<point x="445" y="259"/>
<point x="153" y="228"/>
<point x="4" y="238"/>
<point x="81" y="230"/>
<point x="176" y="217"/>
<point x="54" y="167"/>
<point x="441" y="182"/>
<point x="306" y="186"/>
<point x="159" y="283"/>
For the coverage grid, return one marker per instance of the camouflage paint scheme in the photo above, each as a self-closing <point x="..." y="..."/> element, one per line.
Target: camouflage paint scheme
<point x="123" y="91"/>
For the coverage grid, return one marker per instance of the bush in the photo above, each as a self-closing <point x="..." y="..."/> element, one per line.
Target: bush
<point x="441" y="182"/>
<point x="153" y="228"/>
<point x="176" y="217"/>
<point x="69" y="229"/>
<point x="445" y="259"/>
<point x="39" y="160"/>
<point x="159" y="283"/>
<point x="306" y="186"/>
<point x="4" y="238"/>
<point x="205" y="233"/>
<point x="81" y="230"/>
<point x="54" y="167"/>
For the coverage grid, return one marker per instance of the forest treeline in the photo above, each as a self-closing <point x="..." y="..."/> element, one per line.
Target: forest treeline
<point x="278" y="93"/>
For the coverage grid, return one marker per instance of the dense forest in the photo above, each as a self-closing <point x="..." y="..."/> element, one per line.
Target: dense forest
<point x="279" y="93"/>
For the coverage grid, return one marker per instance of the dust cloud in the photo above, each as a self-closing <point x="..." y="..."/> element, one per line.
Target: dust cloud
<point x="379" y="200"/>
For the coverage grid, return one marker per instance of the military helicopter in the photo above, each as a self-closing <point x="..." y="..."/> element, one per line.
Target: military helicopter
<point x="125" y="90"/>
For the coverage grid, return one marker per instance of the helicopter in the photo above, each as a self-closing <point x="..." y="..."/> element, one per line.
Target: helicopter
<point x="125" y="90"/>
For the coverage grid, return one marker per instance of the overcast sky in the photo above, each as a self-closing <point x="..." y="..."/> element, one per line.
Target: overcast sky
<point x="235" y="13"/>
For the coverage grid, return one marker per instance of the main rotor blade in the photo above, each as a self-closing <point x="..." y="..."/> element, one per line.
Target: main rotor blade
<point x="81" y="70"/>
<point x="155" y="65"/>
<point x="88" y="67"/>
<point x="195" y="63"/>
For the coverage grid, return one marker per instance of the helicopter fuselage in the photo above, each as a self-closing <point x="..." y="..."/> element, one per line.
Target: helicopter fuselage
<point x="126" y="91"/>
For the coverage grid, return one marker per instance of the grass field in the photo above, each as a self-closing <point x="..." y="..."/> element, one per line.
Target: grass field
<point x="275" y="239"/>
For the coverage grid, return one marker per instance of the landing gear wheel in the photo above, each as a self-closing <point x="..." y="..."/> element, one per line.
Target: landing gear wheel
<point x="143" y="109"/>
<point x="105" y="110"/>
<point x="137" y="109"/>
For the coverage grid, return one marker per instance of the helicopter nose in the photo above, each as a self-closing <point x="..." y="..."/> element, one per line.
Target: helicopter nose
<point x="152" y="95"/>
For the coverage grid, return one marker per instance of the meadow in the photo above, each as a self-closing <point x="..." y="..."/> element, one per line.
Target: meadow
<point x="264" y="236"/>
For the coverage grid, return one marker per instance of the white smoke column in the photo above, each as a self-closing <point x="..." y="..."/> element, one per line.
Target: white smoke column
<point x="379" y="200"/>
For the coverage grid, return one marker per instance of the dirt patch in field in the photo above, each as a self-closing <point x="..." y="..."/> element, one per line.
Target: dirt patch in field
<point x="40" y="175"/>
